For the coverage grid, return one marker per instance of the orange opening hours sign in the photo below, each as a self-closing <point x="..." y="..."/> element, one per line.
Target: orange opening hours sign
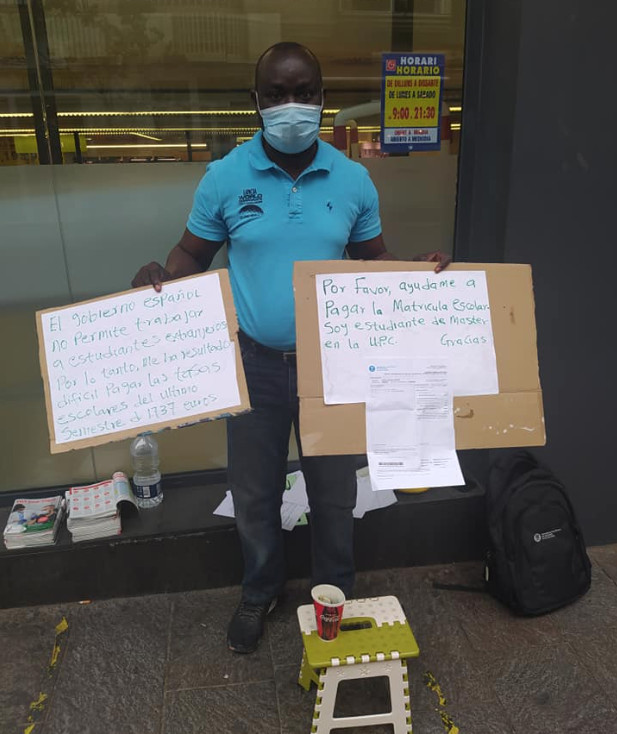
<point x="411" y="92"/>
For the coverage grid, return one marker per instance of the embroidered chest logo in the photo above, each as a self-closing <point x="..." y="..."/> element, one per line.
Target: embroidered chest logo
<point x="249" y="202"/>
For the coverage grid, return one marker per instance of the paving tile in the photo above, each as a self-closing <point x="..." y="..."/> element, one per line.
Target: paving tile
<point x="438" y="620"/>
<point x="111" y="677"/>
<point x="198" y="653"/>
<point x="362" y="697"/>
<point x="429" y="721"/>
<point x="457" y="669"/>
<point x="470" y="573"/>
<point x="244" y="708"/>
<point x="42" y="618"/>
<point x="432" y="614"/>
<point x="605" y="556"/>
<point x="597" y="651"/>
<point x="500" y="674"/>
<point x="388" y="581"/>
<point x="294" y="703"/>
<point x="283" y="631"/>
<point x="466" y="574"/>
<point x="371" y="695"/>
<point x="27" y="637"/>
<point x="597" y="607"/>
<point x="547" y="689"/>
<point x="482" y="717"/>
<point x="354" y="698"/>
<point x="489" y="626"/>
<point x="474" y="718"/>
<point x="397" y="581"/>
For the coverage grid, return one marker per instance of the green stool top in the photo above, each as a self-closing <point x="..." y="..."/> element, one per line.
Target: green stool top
<point x="372" y="630"/>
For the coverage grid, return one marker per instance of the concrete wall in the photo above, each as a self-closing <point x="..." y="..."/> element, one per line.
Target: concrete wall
<point x="561" y="220"/>
<point x="554" y="168"/>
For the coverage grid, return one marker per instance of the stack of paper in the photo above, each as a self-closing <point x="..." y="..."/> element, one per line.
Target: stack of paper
<point x="295" y="501"/>
<point x="93" y="509"/>
<point x="33" y="522"/>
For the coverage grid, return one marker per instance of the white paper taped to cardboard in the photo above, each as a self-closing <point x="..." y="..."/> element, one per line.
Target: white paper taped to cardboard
<point x="421" y="314"/>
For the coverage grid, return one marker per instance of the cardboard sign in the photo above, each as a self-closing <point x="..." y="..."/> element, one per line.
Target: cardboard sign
<point x="141" y="361"/>
<point x="512" y="417"/>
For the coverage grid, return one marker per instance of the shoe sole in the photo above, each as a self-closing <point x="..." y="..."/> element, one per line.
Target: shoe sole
<point x="241" y="650"/>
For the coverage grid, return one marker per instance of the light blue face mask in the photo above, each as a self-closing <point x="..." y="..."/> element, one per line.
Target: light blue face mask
<point x="291" y="128"/>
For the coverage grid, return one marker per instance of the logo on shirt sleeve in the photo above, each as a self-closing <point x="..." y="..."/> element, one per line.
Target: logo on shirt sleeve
<point x="249" y="201"/>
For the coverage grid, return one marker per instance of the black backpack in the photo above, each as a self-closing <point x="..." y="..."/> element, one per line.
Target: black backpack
<point x="536" y="560"/>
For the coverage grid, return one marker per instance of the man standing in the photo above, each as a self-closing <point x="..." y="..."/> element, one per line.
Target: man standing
<point x="281" y="197"/>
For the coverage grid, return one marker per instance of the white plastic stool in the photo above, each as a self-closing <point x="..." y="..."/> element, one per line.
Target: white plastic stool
<point x="378" y="644"/>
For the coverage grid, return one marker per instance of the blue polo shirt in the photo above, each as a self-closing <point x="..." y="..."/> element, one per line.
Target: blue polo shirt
<point x="269" y="221"/>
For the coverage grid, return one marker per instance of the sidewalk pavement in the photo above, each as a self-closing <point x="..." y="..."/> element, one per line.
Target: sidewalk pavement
<point x="159" y="664"/>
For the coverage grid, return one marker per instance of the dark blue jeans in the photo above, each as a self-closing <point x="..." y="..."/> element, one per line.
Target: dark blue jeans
<point x="257" y="450"/>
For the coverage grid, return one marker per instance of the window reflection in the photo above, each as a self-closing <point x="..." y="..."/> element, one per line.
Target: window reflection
<point x="168" y="80"/>
<point x="147" y="81"/>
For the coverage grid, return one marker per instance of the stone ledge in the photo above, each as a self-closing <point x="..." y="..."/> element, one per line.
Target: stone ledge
<point x="181" y="545"/>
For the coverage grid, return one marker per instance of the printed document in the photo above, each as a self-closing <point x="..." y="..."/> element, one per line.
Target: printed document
<point x="410" y="424"/>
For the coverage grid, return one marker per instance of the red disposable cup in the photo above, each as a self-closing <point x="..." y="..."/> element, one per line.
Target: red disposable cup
<point x="328" y="601"/>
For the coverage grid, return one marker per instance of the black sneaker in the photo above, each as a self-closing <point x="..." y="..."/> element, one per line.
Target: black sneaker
<point x="247" y="626"/>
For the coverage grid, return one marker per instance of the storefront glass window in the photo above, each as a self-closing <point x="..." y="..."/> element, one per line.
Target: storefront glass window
<point x="134" y="84"/>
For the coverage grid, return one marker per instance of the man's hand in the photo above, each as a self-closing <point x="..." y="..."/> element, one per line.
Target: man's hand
<point x="190" y="256"/>
<point x="151" y="274"/>
<point x="441" y="258"/>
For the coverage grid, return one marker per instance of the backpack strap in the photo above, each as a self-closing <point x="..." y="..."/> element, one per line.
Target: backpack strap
<point x="459" y="587"/>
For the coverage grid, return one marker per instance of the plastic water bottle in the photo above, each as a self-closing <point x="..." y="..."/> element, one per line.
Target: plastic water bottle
<point x="146" y="474"/>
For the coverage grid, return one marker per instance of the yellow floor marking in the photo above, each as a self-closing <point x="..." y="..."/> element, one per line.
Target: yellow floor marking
<point x="431" y="683"/>
<point x="39" y="704"/>
<point x="61" y="627"/>
<point x="37" y="707"/>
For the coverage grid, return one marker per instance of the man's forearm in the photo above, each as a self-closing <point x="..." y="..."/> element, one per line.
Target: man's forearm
<point x="441" y="258"/>
<point x="181" y="263"/>
<point x="386" y="256"/>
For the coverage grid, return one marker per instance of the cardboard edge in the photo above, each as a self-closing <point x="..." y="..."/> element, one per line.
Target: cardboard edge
<point x="232" y="325"/>
<point x="45" y="378"/>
